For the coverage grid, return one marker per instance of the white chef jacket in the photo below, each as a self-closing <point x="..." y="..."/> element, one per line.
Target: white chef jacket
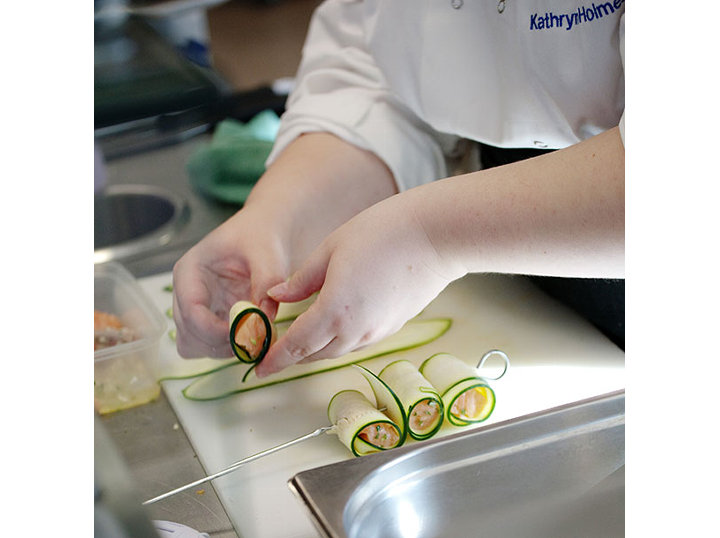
<point x="406" y="79"/>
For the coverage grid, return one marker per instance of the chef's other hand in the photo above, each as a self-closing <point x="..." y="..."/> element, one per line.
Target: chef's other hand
<point x="239" y="260"/>
<point x="374" y="273"/>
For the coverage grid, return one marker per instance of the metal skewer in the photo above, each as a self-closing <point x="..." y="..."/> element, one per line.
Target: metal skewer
<point x="490" y="354"/>
<point x="239" y="463"/>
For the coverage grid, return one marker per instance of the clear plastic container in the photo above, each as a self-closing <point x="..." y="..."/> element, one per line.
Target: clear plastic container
<point x="126" y="374"/>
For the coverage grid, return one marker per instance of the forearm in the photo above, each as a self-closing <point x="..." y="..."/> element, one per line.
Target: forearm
<point x="560" y="214"/>
<point x="315" y="185"/>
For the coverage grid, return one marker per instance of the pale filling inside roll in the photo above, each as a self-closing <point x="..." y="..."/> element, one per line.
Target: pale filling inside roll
<point x="470" y="404"/>
<point x="380" y="434"/>
<point x="424" y="415"/>
<point x="250" y="334"/>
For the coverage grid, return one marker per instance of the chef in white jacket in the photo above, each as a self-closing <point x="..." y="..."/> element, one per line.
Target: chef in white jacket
<point x="359" y="201"/>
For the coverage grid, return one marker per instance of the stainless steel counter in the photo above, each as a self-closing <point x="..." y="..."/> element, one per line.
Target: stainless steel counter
<point x="156" y="450"/>
<point x="551" y="474"/>
<point x="149" y="438"/>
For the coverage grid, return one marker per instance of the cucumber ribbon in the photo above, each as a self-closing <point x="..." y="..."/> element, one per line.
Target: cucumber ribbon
<point x="466" y="395"/>
<point x="363" y="427"/>
<point x="232" y="377"/>
<point x="250" y="346"/>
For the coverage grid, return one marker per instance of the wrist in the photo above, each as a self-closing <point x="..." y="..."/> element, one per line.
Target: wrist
<point x="442" y="254"/>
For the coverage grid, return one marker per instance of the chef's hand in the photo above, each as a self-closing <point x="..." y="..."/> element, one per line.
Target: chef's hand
<point x="239" y="260"/>
<point x="302" y="197"/>
<point x="374" y="273"/>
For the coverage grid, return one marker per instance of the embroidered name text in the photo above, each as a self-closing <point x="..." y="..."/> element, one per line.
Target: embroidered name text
<point x="570" y="20"/>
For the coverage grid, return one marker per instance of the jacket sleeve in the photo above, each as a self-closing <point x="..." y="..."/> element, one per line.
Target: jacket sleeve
<point x="340" y="90"/>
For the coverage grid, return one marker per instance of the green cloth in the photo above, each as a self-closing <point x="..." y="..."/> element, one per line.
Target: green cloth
<point x="229" y="165"/>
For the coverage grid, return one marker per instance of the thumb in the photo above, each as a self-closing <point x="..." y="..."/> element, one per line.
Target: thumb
<point x="306" y="280"/>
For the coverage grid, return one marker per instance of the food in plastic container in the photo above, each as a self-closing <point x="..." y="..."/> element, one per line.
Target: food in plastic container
<point x="126" y="370"/>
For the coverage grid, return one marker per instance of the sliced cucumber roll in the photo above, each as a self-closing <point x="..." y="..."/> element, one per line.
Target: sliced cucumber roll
<point x="251" y="332"/>
<point x="186" y="369"/>
<point x="386" y="400"/>
<point x="360" y="426"/>
<point x="422" y="404"/>
<point x="466" y="395"/>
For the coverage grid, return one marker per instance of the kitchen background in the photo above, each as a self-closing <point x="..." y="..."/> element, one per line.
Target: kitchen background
<point x="165" y="78"/>
<point x="254" y="42"/>
<point x="229" y="59"/>
<point x="186" y="107"/>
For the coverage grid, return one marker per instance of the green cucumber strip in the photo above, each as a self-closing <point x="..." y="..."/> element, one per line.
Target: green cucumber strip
<point x="444" y="369"/>
<point x="412" y="388"/>
<point x="386" y="399"/>
<point x="216" y="385"/>
<point x="190" y="368"/>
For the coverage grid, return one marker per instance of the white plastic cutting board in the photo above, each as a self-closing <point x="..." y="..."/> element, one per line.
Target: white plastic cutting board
<point x="556" y="358"/>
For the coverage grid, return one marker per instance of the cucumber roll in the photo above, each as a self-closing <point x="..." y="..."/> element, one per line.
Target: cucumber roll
<point x="422" y="403"/>
<point x="360" y="426"/>
<point x="466" y="395"/>
<point x="251" y="332"/>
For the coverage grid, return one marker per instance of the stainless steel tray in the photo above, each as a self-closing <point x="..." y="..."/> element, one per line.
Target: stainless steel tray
<point x="557" y="473"/>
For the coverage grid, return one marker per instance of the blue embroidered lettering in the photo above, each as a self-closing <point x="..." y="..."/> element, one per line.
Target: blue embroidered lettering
<point x="570" y="20"/>
<point x="533" y="22"/>
<point x="581" y="15"/>
<point x="593" y="12"/>
<point x="605" y="9"/>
